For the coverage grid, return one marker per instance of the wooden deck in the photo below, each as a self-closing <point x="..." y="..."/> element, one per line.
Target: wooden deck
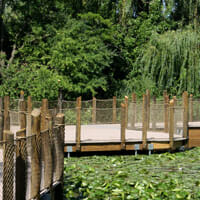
<point x="107" y="137"/>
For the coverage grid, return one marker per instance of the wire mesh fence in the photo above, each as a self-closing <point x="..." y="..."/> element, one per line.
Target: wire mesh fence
<point x="178" y="120"/>
<point x="194" y="110"/>
<point x="29" y="165"/>
<point x="135" y="115"/>
<point x="157" y="116"/>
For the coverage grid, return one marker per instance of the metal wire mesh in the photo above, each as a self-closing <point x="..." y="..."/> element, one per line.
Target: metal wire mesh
<point x="58" y="154"/>
<point x="178" y="120"/>
<point x="70" y="116"/>
<point x="14" y="118"/>
<point x="68" y="104"/>
<point x="135" y="115"/>
<point x="21" y="167"/>
<point x="36" y="104"/>
<point x="194" y="111"/>
<point x="14" y="104"/>
<point x="157" y="116"/>
<point x="104" y="103"/>
<point x="8" y="171"/>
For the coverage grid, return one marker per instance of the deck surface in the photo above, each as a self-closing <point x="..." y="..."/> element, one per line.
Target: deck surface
<point x="111" y="133"/>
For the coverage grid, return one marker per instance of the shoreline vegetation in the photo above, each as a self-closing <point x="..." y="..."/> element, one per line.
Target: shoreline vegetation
<point x="99" y="48"/>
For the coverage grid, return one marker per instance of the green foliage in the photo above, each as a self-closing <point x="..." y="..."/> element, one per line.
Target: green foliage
<point x="159" y="176"/>
<point x="75" y="54"/>
<point x="70" y="116"/>
<point x="171" y="61"/>
<point x="92" y="47"/>
<point x="39" y="83"/>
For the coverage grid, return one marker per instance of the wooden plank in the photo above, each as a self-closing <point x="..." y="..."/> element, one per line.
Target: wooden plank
<point x="185" y="115"/>
<point x="114" y="106"/>
<point x="123" y="126"/>
<point x="94" y="107"/>
<point x="164" y="94"/>
<point x="21" y="160"/>
<point x="126" y="111"/>
<point x="47" y="174"/>
<point x="144" y="122"/>
<point x="59" y="158"/>
<point x="193" y="143"/>
<point x="78" y="123"/>
<point x="194" y="131"/>
<point x="29" y="110"/>
<point x="22" y="112"/>
<point x="35" y="154"/>
<point x="6" y="115"/>
<point x="96" y="147"/>
<point x="60" y="102"/>
<point x="191" y="108"/>
<point x="158" y="146"/>
<point x="166" y="114"/>
<point x="154" y="113"/>
<point x="175" y="100"/>
<point x="44" y="112"/>
<point x="21" y="95"/>
<point x="148" y="108"/>
<point x="133" y="97"/>
<point x="171" y="123"/>
<point x="133" y="110"/>
<point x="117" y="147"/>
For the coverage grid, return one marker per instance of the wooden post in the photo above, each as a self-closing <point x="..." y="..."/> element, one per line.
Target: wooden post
<point x="21" y="152"/>
<point x="148" y="108"/>
<point x="6" y="126"/>
<point x="166" y="114"/>
<point x="171" y="123"/>
<point x="154" y="111"/>
<point x="44" y="113"/>
<point x="185" y="115"/>
<point x="164" y="94"/>
<point x="1" y="119"/>
<point x="191" y="108"/>
<point x="175" y="100"/>
<point x="22" y="110"/>
<point x="60" y="102"/>
<point x="8" y="166"/>
<point x="21" y="95"/>
<point x="94" y="105"/>
<point x="114" y="105"/>
<point x="123" y="126"/>
<point x="133" y="110"/>
<point x="133" y="97"/>
<point x="58" y="191"/>
<point x="144" y="122"/>
<point x="20" y="168"/>
<point x="78" y="124"/>
<point x="46" y="147"/>
<point x="126" y="111"/>
<point x="29" y="110"/>
<point x="35" y="154"/>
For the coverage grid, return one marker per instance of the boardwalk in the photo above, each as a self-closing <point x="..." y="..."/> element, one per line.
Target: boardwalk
<point x="110" y="133"/>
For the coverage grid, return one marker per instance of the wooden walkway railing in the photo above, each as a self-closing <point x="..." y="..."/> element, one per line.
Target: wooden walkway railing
<point x="31" y="154"/>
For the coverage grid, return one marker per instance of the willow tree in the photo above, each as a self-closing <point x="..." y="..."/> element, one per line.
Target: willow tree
<point x="172" y="61"/>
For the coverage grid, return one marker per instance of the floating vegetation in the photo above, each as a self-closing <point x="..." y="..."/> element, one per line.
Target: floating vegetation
<point x="159" y="176"/>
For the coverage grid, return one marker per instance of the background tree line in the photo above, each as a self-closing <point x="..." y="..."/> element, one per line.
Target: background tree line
<point x="99" y="47"/>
